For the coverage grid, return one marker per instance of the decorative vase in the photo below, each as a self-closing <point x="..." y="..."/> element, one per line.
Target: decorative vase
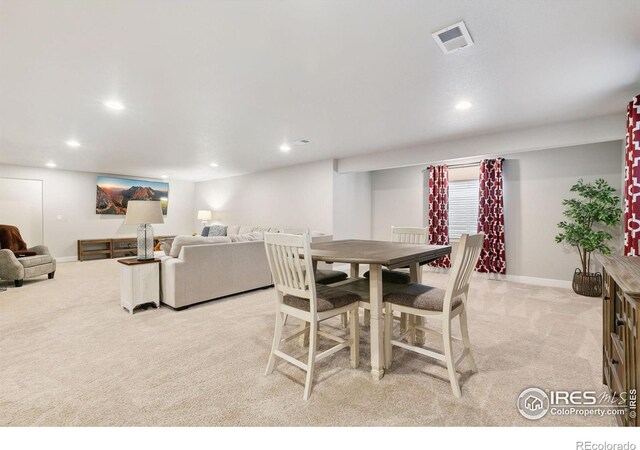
<point x="145" y="242"/>
<point x="587" y="284"/>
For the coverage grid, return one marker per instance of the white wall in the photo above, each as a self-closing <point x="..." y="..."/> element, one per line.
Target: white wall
<point x="557" y="135"/>
<point x="72" y="195"/>
<point x="535" y="184"/>
<point x="298" y="196"/>
<point x="397" y="200"/>
<point x="352" y="205"/>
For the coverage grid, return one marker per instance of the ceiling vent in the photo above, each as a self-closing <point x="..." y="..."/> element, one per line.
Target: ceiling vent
<point x="301" y="142"/>
<point x="452" y="38"/>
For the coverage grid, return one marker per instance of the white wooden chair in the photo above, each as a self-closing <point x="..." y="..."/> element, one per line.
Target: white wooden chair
<point x="407" y="235"/>
<point x="425" y="301"/>
<point x="298" y="295"/>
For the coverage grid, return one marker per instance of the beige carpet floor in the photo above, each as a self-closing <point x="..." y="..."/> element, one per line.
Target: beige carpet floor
<point x="71" y="356"/>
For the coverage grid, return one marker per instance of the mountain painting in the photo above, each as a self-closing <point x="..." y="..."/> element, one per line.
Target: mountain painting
<point x="113" y="194"/>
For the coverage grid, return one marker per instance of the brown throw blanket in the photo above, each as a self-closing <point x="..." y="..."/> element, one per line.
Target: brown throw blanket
<point x="10" y="238"/>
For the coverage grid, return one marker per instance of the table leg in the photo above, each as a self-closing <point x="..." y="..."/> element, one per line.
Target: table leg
<point x="415" y="272"/>
<point x="355" y="270"/>
<point x="377" y="321"/>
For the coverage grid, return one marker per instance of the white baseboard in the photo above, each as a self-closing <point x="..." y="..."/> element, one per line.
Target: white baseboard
<point x="64" y="259"/>
<point x="549" y="282"/>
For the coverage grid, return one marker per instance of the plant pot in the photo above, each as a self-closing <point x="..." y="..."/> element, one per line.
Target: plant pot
<point x="587" y="284"/>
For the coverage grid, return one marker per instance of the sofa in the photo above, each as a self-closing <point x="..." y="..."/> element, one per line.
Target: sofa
<point x="17" y="269"/>
<point x="197" y="269"/>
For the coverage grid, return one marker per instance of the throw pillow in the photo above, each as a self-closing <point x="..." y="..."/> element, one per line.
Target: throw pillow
<point x="217" y="230"/>
<point x="165" y="247"/>
<point x="205" y="232"/>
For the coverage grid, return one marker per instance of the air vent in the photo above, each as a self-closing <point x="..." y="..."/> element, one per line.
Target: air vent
<point x="452" y="38"/>
<point x="301" y="142"/>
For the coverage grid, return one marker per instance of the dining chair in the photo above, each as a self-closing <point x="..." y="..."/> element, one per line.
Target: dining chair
<point x="419" y="300"/>
<point x="406" y="235"/>
<point x="298" y="295"/>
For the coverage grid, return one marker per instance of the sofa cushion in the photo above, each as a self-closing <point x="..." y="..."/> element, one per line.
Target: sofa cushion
<point x="32" y="261"/>
<point x="205" y="232"/>
<point x="244" y="229"/>
<point x="217" y="230"/>
<point x="255" y="236"/>
<point x="233" y="229"/>
<point x="181" y="241"/>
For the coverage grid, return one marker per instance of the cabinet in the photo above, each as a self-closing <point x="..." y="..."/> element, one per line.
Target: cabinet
<point x="90" y="249"/>
<point x="620" y="343"/>
<point x="139" y="283"/>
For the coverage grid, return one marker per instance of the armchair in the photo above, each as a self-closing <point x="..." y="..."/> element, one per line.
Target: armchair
<point x="17" y="269"/>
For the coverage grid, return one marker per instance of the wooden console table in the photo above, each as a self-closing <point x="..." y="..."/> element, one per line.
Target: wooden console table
<point x="90" y="249"/>
<point x="621" y="332"/>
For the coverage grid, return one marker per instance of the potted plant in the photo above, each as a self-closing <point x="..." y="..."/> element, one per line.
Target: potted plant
<point x="595" y="208"/>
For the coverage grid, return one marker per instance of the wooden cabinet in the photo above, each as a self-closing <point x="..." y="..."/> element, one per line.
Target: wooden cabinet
<point x="621" y="346"/>
<point x="90" y="249"/>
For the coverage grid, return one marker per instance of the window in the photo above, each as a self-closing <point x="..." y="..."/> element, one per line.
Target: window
<point x="463" y="208"/>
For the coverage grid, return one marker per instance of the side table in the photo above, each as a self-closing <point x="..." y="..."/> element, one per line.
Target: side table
<point x="139" y="282"/>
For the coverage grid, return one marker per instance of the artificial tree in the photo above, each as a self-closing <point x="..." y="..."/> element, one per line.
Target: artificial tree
<point x="595" y="206"/>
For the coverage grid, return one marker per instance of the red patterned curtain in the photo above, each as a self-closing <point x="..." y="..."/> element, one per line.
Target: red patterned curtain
<point x="491" y="218"/>
<point x="439" y="210"/>
<point x="632" y="180"/>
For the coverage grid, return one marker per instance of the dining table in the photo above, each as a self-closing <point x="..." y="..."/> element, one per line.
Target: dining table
<point x="378" y="254"/>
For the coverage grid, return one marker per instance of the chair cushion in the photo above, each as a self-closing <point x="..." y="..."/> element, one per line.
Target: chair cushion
<point x="392" y="276"/>
<point x="328" y="298"/>
<point x="32" y="261"/>
<point x="419" y="296"/>
<point x="330" y="276"/>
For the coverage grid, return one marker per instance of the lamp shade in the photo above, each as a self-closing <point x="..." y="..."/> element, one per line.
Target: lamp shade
<point x="143" y="212"/>
<point x="204" y="214"/>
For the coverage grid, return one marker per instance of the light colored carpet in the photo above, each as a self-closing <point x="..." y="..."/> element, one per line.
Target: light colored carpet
<point x="71" y="356"/>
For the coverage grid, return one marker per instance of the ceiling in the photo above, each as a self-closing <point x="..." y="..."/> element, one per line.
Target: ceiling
<point x="229" y="81"/>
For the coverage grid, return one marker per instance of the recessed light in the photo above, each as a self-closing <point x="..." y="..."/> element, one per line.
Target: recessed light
<point x="51" y="164"/>
<point x="213" y="165"/>
<point x="285" y="148"/>
<point x="164" y="177"/>
<point x="114" y="105"/>
<point x="463" y="105"/>
<point x="73" y="143"/>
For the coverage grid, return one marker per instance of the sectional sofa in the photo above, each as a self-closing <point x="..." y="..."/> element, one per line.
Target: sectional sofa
<point x="198" y="269"/>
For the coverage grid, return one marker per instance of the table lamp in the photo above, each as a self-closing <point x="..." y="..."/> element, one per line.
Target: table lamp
<point x="205" y="216"/>
<point x="144" y="213"/>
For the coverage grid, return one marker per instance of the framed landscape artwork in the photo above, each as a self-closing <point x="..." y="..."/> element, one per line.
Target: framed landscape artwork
<point x="113" y="194"/>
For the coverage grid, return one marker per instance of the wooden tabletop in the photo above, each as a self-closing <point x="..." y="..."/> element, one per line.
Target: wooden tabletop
<point x="136" y="261"/>
<point x="625" y="270"/>
<point x="390" y="254"/>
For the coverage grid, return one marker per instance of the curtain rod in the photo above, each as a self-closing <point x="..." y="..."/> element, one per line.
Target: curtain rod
<point x="458" y="166"/>
<point x="462" y="165"/>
